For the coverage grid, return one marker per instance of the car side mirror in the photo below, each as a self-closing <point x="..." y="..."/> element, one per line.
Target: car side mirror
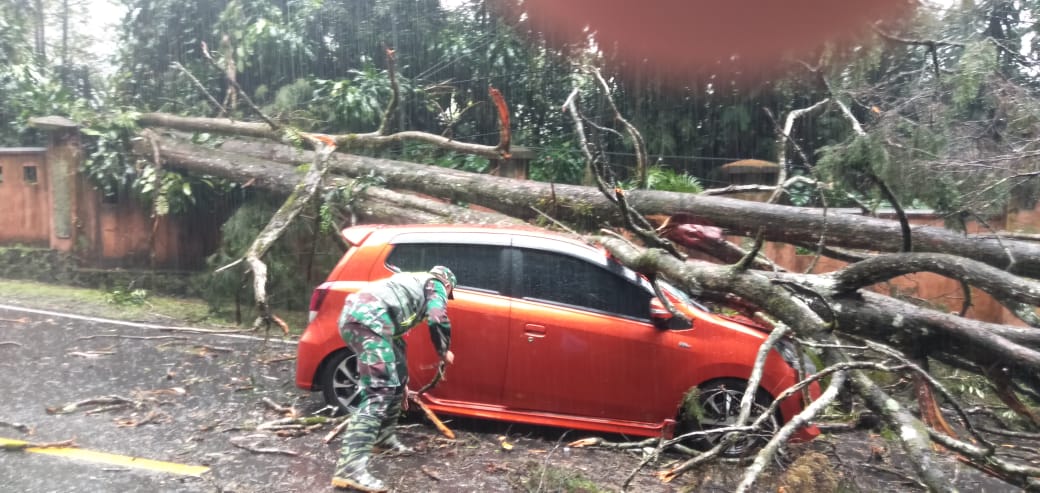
<point x="664" y="319"/>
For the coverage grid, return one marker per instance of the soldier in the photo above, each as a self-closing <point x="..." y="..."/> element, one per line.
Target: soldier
<point x="372" y="323"/>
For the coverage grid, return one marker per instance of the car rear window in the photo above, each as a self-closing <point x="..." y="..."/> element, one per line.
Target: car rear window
<point x="475" y="266"/>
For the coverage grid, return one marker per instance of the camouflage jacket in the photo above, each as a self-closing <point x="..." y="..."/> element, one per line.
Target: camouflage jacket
<point x="411" y="297"/>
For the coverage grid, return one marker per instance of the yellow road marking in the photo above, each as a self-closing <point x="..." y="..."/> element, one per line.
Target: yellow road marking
<point x="112" y="459"/>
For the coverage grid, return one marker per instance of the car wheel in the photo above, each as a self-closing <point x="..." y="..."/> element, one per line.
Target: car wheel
<point x="339" y="382"/>
<point x="718" y="406"/>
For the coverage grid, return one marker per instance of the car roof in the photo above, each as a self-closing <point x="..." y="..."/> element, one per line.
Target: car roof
<point x="516" y="236"/>
<point x="359" y="234"/>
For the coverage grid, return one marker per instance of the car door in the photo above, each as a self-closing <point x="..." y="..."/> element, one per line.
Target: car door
<point x="581" y="341"/>
<point x="479" y="318"/>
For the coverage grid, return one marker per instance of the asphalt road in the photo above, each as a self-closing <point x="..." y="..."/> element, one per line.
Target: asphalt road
<point x="157" y="410"/>
<point x="192" y="402"/>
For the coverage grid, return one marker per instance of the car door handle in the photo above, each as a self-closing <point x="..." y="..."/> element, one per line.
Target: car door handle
<point x="532" y="331"/>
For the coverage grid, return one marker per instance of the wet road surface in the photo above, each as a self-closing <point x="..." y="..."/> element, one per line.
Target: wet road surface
<point x="155" y="410"/>
<point x="181" y="399"/>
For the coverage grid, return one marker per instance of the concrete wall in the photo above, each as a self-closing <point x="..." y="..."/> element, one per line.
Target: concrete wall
<point x="64" y="211"/>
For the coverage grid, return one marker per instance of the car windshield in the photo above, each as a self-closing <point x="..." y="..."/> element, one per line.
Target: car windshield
<point x="681" y="295"/>
<point x="665" y="286"/>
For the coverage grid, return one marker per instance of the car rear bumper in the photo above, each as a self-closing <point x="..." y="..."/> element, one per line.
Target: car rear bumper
<point x="314" y="346"/>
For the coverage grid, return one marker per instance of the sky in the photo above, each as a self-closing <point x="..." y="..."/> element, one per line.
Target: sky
<point x="102" y="25"/>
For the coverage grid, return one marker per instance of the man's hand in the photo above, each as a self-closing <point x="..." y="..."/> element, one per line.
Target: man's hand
<point x="449" y="357"/>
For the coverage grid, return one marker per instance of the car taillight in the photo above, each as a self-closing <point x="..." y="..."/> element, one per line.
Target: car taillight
<point x="317" y="298"/>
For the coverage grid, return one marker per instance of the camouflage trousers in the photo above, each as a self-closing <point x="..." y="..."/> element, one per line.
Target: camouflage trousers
<point x="368" y="330"/>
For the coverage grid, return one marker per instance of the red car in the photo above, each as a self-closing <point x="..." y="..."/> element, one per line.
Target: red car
<point x="548" y="330"/>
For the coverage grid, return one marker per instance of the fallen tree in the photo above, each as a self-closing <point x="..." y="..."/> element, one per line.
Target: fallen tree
<point x="816" y="307"/>
<point x="851" y="329"/>
<point x="323" y="145"/>
<point x="375" y="204"/>
<point x="586" y="207"/>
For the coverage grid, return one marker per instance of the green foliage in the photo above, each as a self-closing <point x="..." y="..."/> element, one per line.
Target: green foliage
<point x="113" y="167"/>
<point x="691" y="405"/>
<point x="801" y="194"/>
<point x="850" y="166"/>
<point x="431" y="154"/>
<point x="735" y="119"/>
<point x="534" y="477"/>
<point x="27" y="91"/>
<point x="978" y="63"/>
<point x="128" y="297"/>
<point x="14" y="35"/>
<point x="109" y="161"/>
<point x="27" y="87"/>
<point x="559" y="161"/>
<point x="667" y="179"/>
<point x="292" y="261"/>
<point x="660" y="177"/>
<point x="291" y="103"/>
<point x="356" y="104"/>
<point x="256" y="33"/>
<point x="343" y="197"/>
<point x="175" y="193"/>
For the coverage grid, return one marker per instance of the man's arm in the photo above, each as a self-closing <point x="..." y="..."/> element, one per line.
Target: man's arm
<point x="437" y="317"/>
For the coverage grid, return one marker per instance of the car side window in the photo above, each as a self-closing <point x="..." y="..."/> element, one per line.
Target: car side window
<point x="572" y="281"/>
<point x="475" y="266"/>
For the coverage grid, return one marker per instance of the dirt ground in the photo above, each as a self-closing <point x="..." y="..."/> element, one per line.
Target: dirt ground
<point x="540" y="460"/>
<point x="486" y="456"/>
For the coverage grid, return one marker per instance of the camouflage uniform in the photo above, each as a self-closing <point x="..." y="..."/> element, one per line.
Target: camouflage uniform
<point x="372" y="323"/>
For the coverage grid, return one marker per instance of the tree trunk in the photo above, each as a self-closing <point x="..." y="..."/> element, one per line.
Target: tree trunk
<point x="586" y="208"/>
<point x="376" y="204"/>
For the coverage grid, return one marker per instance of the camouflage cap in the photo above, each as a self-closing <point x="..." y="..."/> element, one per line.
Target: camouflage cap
<point x="445" y="275"/>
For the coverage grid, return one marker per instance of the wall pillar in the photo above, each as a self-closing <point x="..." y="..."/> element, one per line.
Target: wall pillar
<point x="64" y="156"/>
<point x="516" y="167"/>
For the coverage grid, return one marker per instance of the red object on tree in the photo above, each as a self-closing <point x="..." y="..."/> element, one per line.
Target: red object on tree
<point x="673" y="36"/>
<point x="503" y="121"/>
<point x="690" y="235"/>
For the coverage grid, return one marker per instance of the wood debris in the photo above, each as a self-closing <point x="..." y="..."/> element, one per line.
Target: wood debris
<point x="94" y="405"/>
<point x="427" y="471"/>
<point x="18" y="426"/>
<point x="263" y="450"/>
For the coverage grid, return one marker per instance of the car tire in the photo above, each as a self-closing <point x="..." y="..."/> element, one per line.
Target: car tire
<point x="339" y="382"/>
<point x="719" y="406"/>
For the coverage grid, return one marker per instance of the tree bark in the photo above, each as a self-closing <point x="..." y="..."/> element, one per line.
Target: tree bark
<point x="376" y="204"/>
<point x="867" y="314"/>
<point x="586" y="208"/>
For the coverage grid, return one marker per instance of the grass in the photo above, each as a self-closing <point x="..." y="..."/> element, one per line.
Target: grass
<point x="544" y="477"/>
<point x="132" y="306"/>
